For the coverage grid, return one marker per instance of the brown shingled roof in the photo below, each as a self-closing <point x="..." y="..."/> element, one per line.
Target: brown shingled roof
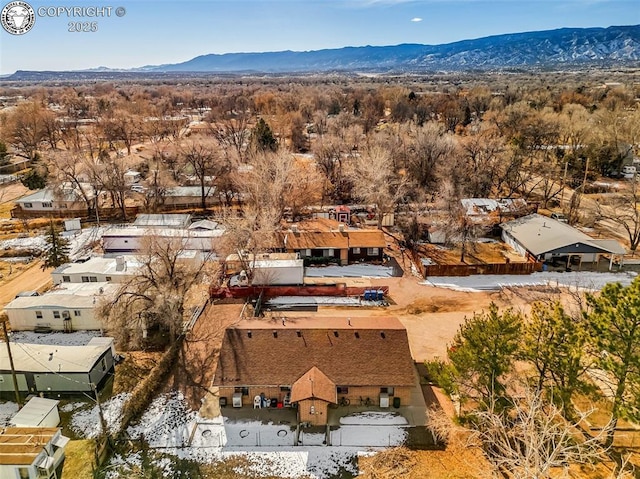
<point x="314" y="384"/>
<point x="366" y="239"/>
<point x="366" y="352"/>
<point x="313" y="239"/>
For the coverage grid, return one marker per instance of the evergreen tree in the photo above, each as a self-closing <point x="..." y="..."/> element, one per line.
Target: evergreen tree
<point x="483" y="352"/>
<point x="262" y="137"/>
<point x="614" y="327"/>
<point x="57" y="249"/>
<point x="554" y="342"/>
<point x="4" y="155"/>
<point x="34" y="180"/>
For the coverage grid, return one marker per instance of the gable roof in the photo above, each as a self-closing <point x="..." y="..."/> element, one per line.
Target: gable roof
<point x="314" y="384"/>
<point x="540" y="234"/>
<point x="359" y="351"/>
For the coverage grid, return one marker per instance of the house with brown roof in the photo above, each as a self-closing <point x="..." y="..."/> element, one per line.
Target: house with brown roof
<point x="325" y="238"/>
<point x="312" y="363"/>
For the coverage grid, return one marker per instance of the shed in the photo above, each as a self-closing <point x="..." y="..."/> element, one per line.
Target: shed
<point x="38" y="412"/>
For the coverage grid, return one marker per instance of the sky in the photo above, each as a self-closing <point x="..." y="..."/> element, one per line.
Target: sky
<point x="157" y="32"/>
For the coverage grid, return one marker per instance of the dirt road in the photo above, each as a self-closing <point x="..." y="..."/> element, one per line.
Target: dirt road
<point x="32" y="278"/>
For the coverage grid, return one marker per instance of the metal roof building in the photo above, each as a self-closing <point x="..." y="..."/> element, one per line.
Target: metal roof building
<point x="543" y="238"/>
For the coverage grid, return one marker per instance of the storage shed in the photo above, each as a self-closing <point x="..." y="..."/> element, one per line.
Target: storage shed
<point x="38" y="412"/>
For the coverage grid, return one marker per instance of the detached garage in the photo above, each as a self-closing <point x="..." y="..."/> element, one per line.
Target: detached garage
<point x="544" y="239"/>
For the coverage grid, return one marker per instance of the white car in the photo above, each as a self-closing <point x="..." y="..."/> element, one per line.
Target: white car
<point x="138" y="188"/>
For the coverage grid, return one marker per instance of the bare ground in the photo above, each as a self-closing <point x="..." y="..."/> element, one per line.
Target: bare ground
<point x="29" y="278"/>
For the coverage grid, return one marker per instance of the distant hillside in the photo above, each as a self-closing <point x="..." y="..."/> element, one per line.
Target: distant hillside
<point x="546" y="48"/>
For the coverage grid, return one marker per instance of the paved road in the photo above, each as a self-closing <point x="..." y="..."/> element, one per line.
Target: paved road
<point x="32" y="278"/>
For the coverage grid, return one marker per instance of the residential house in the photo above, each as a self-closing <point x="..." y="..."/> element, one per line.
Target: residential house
<point x="324" y="238"/>
<point x="54" y="370"/>
<point x="65" y="201"/>
<point x="96" y="270"/>
<point x="133" y="239"/>
<point x="314" y="362"/>
<point x="545" y="239"/>
<point x="66" y="307"/>
<point x="32" y="452"/>
<point x="189" y="197"/>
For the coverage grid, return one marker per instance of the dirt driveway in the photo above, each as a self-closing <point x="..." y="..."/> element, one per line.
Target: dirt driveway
<point x="32" y="278"/>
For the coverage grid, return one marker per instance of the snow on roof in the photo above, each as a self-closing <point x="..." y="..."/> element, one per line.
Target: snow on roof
<point x="65" y="193"/>
<point x="204" y="225"/>
<point x="190" y="191"/>
<point x="44" y="358"/>
<point x="540" y="234"/>
<point x="133" y="231"/>
<point x="483" y="206"/>
<point x="163" y="220"/>
<point x="98" y="265"/>
<point x="66" y="295"/>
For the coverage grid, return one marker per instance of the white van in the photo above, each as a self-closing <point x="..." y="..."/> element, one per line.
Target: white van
<point x="629" y="172"/>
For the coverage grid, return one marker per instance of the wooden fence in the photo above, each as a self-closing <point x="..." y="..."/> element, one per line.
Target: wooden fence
<point x="487" y="268"/>
<point x="105" y="213"/>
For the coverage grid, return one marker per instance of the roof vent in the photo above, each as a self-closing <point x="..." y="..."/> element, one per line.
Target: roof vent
<point x="294" y="228"/>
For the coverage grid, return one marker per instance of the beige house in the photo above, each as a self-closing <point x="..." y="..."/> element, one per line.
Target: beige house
<point x="312" y="363"/>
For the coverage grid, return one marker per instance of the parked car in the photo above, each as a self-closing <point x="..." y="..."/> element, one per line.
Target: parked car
<point x="138" y="188"/>
<point x="559" y="217"/>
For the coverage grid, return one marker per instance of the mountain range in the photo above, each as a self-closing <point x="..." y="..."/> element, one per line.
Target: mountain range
<point x="564" y="46"/>
<point x="561" y="48"/>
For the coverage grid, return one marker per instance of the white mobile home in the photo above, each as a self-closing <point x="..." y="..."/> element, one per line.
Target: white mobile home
<point x="66" y="307"/>
<point x="96" y="270"/>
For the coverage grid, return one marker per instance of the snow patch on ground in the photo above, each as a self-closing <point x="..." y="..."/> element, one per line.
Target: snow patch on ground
<point x="349" y="271"/>
<point x="7" y="411"/>
<point x="585" y="280"/>
<point x="80" y="242"/>
<point x="170" y="427"/>
<point x="375" y="418"/>
<point x="78" y="338"/>
<point x="87" y="422"/>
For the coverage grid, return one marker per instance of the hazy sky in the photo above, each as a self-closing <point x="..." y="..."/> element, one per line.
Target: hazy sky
<point x="156" y="32"/>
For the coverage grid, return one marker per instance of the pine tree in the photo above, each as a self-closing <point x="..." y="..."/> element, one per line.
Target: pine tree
<point x="262" y="137"/>
<point x="614" y="322"/>
<point x="57" y="249"/>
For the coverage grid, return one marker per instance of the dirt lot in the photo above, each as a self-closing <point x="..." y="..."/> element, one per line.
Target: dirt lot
<point x="29" y="277"/>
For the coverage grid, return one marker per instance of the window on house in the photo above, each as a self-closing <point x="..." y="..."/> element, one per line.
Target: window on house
<point x="85" y="279"/>
<point x="342" y="389"/>
<point x="23" y="472"/>
<point x="47" y="204"/>
<point x="285" y="389"/>
<point x="103" y="364"/>
<point x="355" y="250"/>
<point x="63" y="205"/>
<point x="65" y="315"/>
<point x="28" y="205"/>
<point x="38" y="314"/>
<point x="244" y="390"/>
<point x="56" y="314"/>
<point x="108" y="278"/>
<point x="66" y="279"/>
<point x="77" y="312"/>
<point x="307" y="252"/>
<point x="93" y="279"/>
<point x="372" y="251"/>
<point x="126" y="241"/>
<point x="387" y="390"/>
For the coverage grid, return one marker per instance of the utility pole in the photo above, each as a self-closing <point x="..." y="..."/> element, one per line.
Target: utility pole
<point x="564" y="182"/>
<point x="4" y="321"/>
<point x="103" y="422"/>
<point x="586" y="170"/>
